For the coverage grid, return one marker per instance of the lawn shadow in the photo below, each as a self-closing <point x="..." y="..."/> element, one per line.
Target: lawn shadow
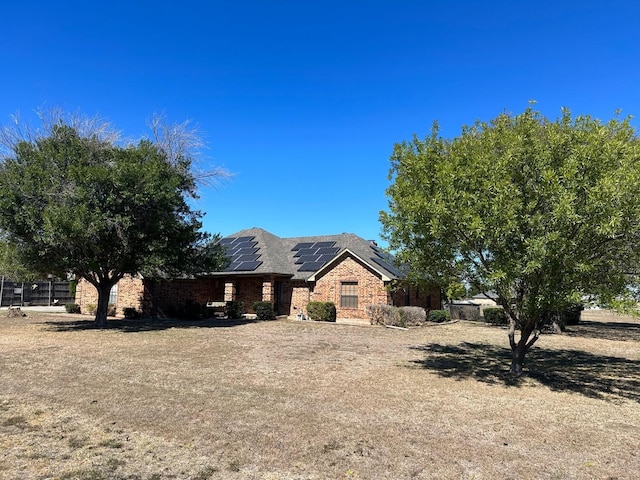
<point x="618" y="331"/>
<point x="595" y="376"/>
<point x="145" y="324"/>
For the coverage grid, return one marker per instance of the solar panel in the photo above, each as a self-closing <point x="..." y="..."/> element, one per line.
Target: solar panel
<point x="245" y="239"/>
<point x="247" y="258"/>
<point x="247" y="266"/>
<point x="308" y="258"/>
<point x="242" y="246"/>
<point x="389" y="267"/>
<point x="232" y="266"/>
<point x="232" y="247"/>
<point x="328" y="251"/>
<point x="324" y="244"/>
<point x="246" y="251"/>
<point x="227" y="241"/>
<point x="305" y="251"/>
<point x="311" y="266"/>
<point x="325" y="258"/>
<point x="381" y="253"/>
<point x="301" y="245"/>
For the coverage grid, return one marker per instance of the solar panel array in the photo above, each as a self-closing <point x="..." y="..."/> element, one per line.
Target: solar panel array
<point x="243" y="252"/>
<point x="385" y="260"/>
<point x="312" y="256"/>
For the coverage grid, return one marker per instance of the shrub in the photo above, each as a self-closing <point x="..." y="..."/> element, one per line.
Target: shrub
<point x="91" y="308"/>
<point x="439" y="316"/>
<point x="414" y="316"/>
<point x="233" y="309"/>
<point x="381" y="314"/>
<point x="323" y="311"/>
<point x="571" y="313"/>
<point x="72" y="308"/>
<point x="495" y="316"/>
<point x="264" y="310"/>
<point x="111" y="310"/>
<point x="191" y="310"/>
<point x="554" y="320"/>
<point x="130" y="313"/>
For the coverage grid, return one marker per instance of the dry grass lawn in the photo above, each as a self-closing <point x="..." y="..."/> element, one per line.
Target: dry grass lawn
<point x="302" y="400"/>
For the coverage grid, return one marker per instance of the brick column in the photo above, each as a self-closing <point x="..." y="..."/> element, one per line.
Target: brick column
<point x="267" y="291"/>
<point x="229" y="291"/>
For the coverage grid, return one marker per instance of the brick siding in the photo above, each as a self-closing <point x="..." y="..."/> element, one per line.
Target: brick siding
<point x="290" y="297"/>
<point x="371" y="288"/>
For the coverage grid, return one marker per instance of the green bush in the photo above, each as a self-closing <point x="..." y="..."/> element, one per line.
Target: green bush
<point x="559" y="319"/>
<point x="571" y="313"/>
<point x="495" y="316"/>
<point x="381" y="314"/>
<point x="111" y="310"/>
<point x="91" y="308"/>
<point x="234" y="309"/>
<point x="414" y="316"/>
<point x="130" y="313"/>
<point x="323" y="311"/>
<point x="264" y="310"/>
<point x="439" y="316"/>
<point x="72" y="308"/>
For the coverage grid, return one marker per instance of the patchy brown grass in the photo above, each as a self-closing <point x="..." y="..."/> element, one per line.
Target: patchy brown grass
<point x="302" y="400"/>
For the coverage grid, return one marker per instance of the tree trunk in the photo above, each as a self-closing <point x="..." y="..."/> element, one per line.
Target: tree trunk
<point x="517" y="359"/>
<point x="520" y="349"/>
<point x="104" y="291"/>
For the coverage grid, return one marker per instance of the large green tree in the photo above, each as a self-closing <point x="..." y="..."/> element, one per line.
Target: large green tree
<point x="77" y="201"/>
<point x="543" y="212"/>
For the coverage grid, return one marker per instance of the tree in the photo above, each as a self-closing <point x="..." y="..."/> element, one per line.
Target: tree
<point x="74" y="200"/>
<point x="541" y="212"/>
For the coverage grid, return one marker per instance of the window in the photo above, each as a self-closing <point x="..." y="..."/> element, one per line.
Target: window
<point x="113" y="295"/>
<point x="349" y="295"/>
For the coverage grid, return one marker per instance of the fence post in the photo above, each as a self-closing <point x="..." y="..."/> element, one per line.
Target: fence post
<point x="2" y="291"/>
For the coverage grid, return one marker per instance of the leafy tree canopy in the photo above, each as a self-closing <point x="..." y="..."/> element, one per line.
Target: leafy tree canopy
<point x="78" y="202"/>
<point x="541" y="212"/>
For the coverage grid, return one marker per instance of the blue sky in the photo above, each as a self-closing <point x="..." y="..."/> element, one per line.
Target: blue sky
<point x="302" y="101"/>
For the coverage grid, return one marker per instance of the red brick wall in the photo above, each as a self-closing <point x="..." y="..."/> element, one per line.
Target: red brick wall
<point x="130" y="294"/>
<point x="292" y="296"/>
<point x="167" y="295"/>
<point x="371" y="288"/>
<point x="141" y="295"/>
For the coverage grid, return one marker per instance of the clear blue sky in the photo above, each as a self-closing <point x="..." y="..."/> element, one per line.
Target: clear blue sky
<point x="304" y="100"/>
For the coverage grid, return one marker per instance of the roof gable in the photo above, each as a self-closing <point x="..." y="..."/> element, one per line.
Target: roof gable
<point x="338" y="258"/>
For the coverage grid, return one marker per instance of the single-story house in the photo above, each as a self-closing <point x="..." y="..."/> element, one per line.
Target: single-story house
<point x="288" y="272"/>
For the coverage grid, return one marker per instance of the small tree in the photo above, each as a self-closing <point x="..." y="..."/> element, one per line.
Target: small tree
<point x="541" y="212"/>
<point x="75" y="200"/>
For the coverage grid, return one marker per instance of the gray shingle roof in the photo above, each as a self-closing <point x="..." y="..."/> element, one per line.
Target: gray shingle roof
<point x="256" y="251"/>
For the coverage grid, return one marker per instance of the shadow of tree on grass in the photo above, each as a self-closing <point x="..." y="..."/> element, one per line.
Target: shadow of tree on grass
<point x="595" y="376"/>
<point x="145" y="324"/>
<point x="618" y="331"/>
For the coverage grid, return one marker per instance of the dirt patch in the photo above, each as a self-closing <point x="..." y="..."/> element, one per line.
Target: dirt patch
<point x="300" y="400"/>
